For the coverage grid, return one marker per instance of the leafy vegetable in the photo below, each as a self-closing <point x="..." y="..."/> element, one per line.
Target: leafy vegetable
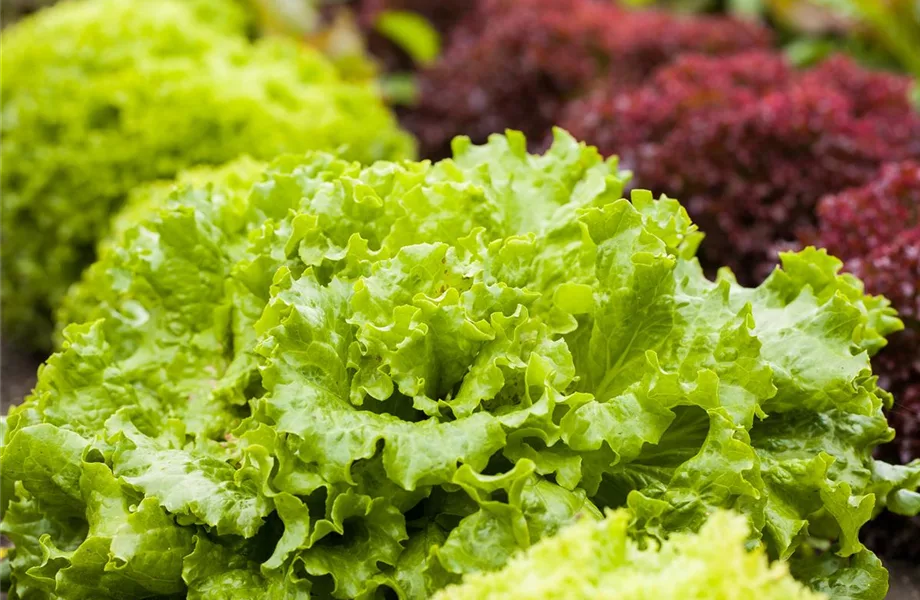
<point x="230" y="185"/>
<point x="871" y="227"/>
<point x="752" y="144"/>
<point x="516" y="64"/>
<point x="598" y="560"/>
<point x="876" y="230"/>
<point x="101" y="95"/>
<point x="393" y="376"/>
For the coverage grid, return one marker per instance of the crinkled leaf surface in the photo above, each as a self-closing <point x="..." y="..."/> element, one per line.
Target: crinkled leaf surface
<point x="599" y="560"/>
<point x="100" y="96"/>
<point x="352" y="379"/>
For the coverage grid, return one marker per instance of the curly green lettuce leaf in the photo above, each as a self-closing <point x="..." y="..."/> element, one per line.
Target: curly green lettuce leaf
<point x="357" y="379"/>
<point x="215" y="571"/>
<point x="79" y="531"/>
<point x="598" y="559"/>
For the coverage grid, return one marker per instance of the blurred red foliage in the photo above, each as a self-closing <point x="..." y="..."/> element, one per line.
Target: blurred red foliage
<point x="516" y="63"/>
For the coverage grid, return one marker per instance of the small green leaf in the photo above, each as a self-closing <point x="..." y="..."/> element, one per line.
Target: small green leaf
<point x="411" y="32"/>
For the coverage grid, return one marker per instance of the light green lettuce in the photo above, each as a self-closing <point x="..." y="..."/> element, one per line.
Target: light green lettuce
<point x="598" y="560"/>
<point x="229" y="191"/>
<point x="102" y="95"/>
<point x="388" y="377"/>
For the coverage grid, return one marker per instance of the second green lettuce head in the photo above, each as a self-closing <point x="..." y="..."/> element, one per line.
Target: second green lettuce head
<point x="596" y="560"/>
<point x="101" y="95"/>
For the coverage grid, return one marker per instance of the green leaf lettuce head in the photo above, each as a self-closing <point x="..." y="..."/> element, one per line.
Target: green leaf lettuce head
<point x="593" y="559"/>
<point x="230" y="184"/>
<point x="102" y="95"/>
<point x="358" y="378"/>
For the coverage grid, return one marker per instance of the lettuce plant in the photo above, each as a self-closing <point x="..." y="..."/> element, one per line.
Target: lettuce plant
<point x="230" y="185"/>
<point x="593" y="559"/>
<point x="751" y="144"/>
<point x="356" y="379"/>
<point x="516" y="63"/>
<point x="876" y="230"/>
<point x="101" y="95"/>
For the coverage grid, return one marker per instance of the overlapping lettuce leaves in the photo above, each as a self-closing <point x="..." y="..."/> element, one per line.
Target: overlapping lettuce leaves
<point x="100" y="96"/>
<point x="601" y="561"/>
<point x="389" y="377"/>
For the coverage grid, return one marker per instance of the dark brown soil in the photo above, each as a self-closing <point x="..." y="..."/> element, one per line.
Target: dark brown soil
<point x="13" y="10"/>
<point x="17" y="375"/>
<point x="905" y="581"/>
